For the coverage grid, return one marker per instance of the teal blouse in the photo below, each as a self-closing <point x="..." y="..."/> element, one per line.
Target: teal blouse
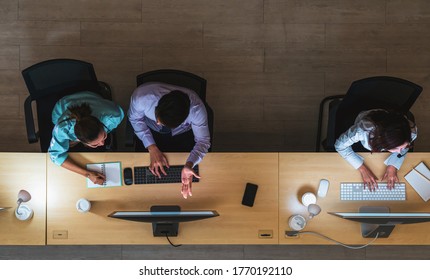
<point x="109" y="113"/>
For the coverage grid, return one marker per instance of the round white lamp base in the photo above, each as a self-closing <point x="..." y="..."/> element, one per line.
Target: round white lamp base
<point x="25" y="213"/>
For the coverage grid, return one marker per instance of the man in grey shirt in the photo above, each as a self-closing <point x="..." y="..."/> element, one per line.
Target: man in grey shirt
<point x="170" y="113"/>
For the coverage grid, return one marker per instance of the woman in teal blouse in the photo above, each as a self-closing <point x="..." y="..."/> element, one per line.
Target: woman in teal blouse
<point x="85" y="118"/>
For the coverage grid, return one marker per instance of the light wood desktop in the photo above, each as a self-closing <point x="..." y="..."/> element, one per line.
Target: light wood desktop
<point x="301" y="172"/>
<point x="224" y="176"/>
<point x="23" y="171"/>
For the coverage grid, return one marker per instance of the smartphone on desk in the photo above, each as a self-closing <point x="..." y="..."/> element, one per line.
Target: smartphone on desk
<point x="249" y="194"/>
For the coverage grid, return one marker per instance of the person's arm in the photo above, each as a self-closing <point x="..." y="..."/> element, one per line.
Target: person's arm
<point x="201" y="133"/>
<point x="136" y="115"/>
<point x="199" y="125"/>
<point x="59" y="147"/>
<point x="343" y="146"/>
<point x="96" y="178"/>
<point x="394" y="162"/>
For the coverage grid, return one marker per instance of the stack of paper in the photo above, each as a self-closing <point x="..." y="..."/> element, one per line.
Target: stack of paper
<point x="419" y="178"/>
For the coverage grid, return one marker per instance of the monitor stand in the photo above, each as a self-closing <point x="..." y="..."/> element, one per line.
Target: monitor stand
<point x="370" y="230"/>
<point x="163" y="229"/>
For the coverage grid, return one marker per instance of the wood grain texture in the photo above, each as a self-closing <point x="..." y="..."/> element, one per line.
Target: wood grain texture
<point x="23" y="171"/>
<point x="263" y="35"/>
<point x="9" y="57"/>
<point x="224" y="177"/>
<point x="329" y="11"/>
<point x="142" y="34"/>
<point x="300" y="173"/>
<point x="40" y="33"/>
<point x="103" y="10"/>
<point x="213" y="11"/>
<point x="408" y="11"/>
<point x="325" y="60"/>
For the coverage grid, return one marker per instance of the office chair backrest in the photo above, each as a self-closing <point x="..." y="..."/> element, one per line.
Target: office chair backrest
<point x="372" y="93"/>
<point x="175" y="77"/>
<point x="59" y="76"/>
<point x="49" y="81"/>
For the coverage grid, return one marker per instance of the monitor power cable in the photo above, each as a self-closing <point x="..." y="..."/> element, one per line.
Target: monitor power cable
<point x="168" y="239"/>
<point x="297" y="233"/>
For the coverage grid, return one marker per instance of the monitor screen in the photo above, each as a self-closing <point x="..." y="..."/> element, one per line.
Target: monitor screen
<point x="165" y="219"/>
<point x="379" y="221"/>
<point x="385" y="218"/>
<point x="174" y="216"/>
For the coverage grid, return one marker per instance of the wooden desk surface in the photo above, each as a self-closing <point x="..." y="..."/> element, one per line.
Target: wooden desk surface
<point x="301" y="172"/>
<point x="224" y="176"/>
<point x="22" y="171"/>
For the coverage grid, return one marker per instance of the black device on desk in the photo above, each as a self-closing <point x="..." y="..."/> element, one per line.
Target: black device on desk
<point x="165" y="219"/>
<point x="249" y="194"/>
<point x="142" y="175"/>
<point x="128" y="176"/>
<point x="379" y="220"/>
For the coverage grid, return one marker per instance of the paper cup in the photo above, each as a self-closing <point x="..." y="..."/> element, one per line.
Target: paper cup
<point x="83" y="205"/>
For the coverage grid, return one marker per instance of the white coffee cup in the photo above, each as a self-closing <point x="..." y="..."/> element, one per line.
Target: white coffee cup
<point x="309" y="198"/>
<point x="83" y="205"/>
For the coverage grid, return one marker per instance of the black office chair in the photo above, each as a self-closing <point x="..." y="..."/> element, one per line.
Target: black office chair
<point x="178" y="78"/>
<point x="47" y="82"/>
<point x="382" y="92"/>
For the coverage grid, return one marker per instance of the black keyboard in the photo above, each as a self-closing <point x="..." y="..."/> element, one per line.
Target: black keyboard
<point x="142" y="175"/>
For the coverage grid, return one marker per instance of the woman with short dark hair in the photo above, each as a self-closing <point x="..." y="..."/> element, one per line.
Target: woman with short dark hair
<point x="378" y="131"/>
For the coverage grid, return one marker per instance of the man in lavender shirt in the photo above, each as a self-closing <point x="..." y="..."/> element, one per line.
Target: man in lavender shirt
<point x="168" y="117"/>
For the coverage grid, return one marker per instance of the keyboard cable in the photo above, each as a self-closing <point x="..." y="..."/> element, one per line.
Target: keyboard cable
<point x="297" y="233"/>
<point x="168" y="239"/>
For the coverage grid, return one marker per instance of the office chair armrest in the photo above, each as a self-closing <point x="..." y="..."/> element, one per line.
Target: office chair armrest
<point x="32" y="135"/>
<point x="320" y="118"/>
<point x="129" y="134"/>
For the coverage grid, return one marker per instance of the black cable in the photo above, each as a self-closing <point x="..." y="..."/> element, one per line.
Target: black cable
<point x="171" y="242"/>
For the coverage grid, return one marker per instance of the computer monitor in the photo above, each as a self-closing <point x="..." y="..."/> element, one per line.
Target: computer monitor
<point x="379" y="220"/>
<point x="165" y="219"/>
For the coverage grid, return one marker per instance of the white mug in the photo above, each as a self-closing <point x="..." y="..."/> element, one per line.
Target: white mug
<point x="309" y="198"/>
<point x="83" y="205"/>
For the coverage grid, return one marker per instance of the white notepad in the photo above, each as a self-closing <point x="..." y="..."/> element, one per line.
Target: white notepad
<point x="419" y="178"/>
<point x="112" y="171"/>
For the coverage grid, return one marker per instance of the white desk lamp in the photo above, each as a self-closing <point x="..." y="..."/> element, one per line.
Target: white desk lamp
<point x="23" y="212"/>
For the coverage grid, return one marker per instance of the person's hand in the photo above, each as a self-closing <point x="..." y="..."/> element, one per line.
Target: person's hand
<point x="187" y="179"/>
<point x="96" y="178"/>
<point x="369" y="178"/>
<point x="390" y="176"/>
<point x="158" y="161"/>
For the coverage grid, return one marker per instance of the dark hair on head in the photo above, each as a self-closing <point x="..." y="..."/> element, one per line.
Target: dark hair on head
<point x="173" y="108"/>
<point x="87" y="127"/>
<point x="392" y="129"/>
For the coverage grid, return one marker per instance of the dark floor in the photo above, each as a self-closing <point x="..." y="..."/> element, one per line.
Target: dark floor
<point x="209" y="252"/>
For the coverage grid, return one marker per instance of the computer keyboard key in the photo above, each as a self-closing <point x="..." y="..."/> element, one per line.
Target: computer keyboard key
<point x="142" y="175"/>
<point x="357" y="192"/>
